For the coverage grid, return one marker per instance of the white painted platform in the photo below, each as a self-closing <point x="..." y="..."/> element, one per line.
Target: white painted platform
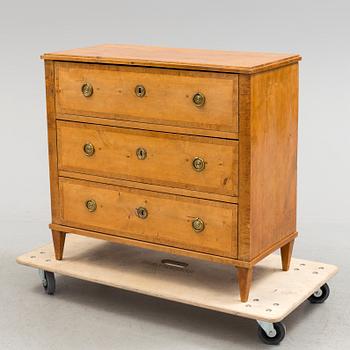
<point x="274" y="293"/>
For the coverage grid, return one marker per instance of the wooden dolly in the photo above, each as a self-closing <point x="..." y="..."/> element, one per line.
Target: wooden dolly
<point x="273" y="296"/>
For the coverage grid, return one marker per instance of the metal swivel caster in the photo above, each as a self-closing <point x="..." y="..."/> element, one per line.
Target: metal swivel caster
<point x="271" y="333"/>
<point x="320" y="296"/>
<point x="48" y="281"/>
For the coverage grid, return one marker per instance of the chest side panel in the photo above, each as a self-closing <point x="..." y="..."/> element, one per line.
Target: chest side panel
<point x="274" y="118"/>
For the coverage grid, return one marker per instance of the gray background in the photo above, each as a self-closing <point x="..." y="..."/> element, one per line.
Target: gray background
<point x="84" y="315"/>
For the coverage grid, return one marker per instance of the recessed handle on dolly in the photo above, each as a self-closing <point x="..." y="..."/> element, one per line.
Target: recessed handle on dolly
<point x="174" y="263"/>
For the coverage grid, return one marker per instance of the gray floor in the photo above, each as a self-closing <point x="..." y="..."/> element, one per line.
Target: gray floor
<point x="85" y="315"/>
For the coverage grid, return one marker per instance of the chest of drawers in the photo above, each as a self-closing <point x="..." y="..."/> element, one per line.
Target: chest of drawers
<point x="190" y="152"/>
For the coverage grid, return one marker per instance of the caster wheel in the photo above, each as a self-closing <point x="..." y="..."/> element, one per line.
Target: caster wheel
<point x="48" y="282"/>
<point x="320" y="296"/>
<point x="275" y="337"/>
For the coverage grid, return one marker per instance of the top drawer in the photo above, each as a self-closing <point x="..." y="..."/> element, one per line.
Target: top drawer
<point x="163" y="96"/>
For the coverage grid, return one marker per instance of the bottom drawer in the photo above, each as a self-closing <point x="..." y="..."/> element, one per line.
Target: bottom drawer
<point x="189" y="223"/>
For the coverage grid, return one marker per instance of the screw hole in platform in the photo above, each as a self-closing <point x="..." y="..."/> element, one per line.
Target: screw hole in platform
<point x="256" y="299"/>
<point x="268" y="310"/>
<point x="276" y="304"/>
<point x="296" y="269"/>
<point x="321" y="268"/>
<point x="302" y="264"/>
<point x="248" y="305"/>
<point x="33" y="256"/>
<point x="314" y="272"/>
<point x="47" y="260"/>
<point x="42" y="252"/>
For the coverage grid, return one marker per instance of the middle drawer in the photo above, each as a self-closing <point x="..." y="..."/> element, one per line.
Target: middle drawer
<point x="190" y="162"/>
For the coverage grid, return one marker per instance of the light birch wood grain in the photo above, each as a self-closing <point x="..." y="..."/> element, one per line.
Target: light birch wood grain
<point x="168" y="161"/>
<point x="169" y="220"/>
<point x="198" y="59"/>
<point x="168" y="97"/>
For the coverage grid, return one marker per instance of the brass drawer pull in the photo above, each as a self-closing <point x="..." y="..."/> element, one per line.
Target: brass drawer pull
<point x="91" y="205"/>
<point x="142" y="212"/>
<point x="198" y="225"/>
<point x="198" y="164"/>
<point x="198" y="99"/>
<point x="141" y="153"/>
<point x="140" y="91"/>
<point x="87" y="89"/>
<point x="89" y="149"/>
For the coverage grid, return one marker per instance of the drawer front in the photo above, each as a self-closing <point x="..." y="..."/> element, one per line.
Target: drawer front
<point x="194" y="224"/>
<point x="189" y="162"/>
<point x="150" y="95"/>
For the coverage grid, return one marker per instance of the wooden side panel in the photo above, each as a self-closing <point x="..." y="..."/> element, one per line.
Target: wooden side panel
<point x="168" y="221"/>
<point x="273" y="134"/>
<point x="52" y="144"/>
<point x="167" y="100"/>
<point x="244" y="213"/>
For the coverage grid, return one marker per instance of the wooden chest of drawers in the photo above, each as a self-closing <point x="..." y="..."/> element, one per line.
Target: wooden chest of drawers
<point x="191" y="152"/>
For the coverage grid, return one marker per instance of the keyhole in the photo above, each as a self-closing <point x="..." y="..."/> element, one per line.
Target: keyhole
<point x="141" y="153"/>
<point x="142" y="213"/>
<point x="140" y="90"/>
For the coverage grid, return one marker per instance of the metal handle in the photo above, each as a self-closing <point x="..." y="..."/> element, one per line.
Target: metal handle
<point x="142" y="212"/>
<point x="89" y="149"/>
<point x="91" y="205"/>
<point x="198" y="99"/>
<point x="198" y="225"/>
<point x="140" y="90"/>
<point x="87" y="89"/>
<point x="173" y="263"/>
<point x="198" y="164"/>
<point x="141" y="153"/>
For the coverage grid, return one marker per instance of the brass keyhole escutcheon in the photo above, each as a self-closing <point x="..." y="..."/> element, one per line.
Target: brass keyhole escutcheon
<point x="198" y="225"/>
<point x="141" y="153"/>
<point x="198" y="99"/>
<point x="87" y="89"/>
<point x="89" y="149"/>
<point x="198" y="164"/>
<point x="142" y="212"/>
<point x="91" y="205"/>
<point x="140" y="91"/>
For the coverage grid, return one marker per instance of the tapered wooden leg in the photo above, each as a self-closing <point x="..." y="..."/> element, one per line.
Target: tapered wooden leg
<point x="286" y="254"/>
<point x="58" y="243"/>
<point x="244" y="276"/>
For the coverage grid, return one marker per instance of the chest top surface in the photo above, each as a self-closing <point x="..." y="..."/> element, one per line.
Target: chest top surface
<point x="197" y="59"/>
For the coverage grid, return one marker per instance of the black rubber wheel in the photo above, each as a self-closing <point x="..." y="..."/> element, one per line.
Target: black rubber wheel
<point x="319" y="298"/>
<point x="275" y="340"/>
<point x="49" y="282"/>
